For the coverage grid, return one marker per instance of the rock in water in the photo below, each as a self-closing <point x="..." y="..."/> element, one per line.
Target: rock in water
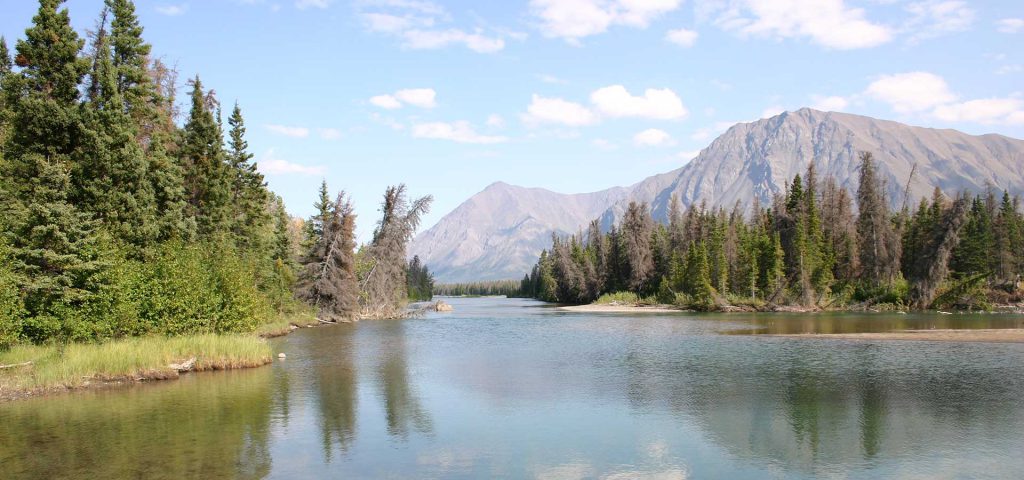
<point x="185" y="366"/>
<point x="282" y="356"/>
<point x="441" y="306"/>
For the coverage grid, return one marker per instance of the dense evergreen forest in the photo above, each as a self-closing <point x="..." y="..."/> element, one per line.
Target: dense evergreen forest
<point x="508" y="288"/>
<point x="121" y="219"/>
<point x="809" y="248"/>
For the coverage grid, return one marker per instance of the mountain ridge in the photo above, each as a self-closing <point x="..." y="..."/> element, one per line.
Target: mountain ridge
<point x="498" y="232"/>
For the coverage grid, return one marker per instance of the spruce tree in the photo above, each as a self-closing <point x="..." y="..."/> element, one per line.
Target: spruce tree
<point x="111" y="175"/>
<point x="248" y="191"/>
<point x="879" y="245"/>
<point x="52" y="242"/>
<point x="207" y="183"/>
<point x="329" y="279"/>
<point x="636" y="241"/>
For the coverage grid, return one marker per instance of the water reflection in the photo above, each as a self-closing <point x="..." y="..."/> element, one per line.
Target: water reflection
<point x="210" y="426"/>
<point x="789" y="324"/>
<point x="499" y="390"/>
<point x="336" y="383"/>
<point x="402" y="407"/>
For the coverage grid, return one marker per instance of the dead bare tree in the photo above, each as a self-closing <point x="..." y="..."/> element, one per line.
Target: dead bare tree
<point x="384" y="292"/>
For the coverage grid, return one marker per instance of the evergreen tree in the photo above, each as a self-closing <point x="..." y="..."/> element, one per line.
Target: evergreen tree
<point x="248" y="190"/>
<point x="638" y="261"/>
<point x="697" y="277"/>
<point x="329" y="279"/>
<point x="879" y="245"/>
<point x="385" y="283"/>
<point x="207" y="183"/>
<point x="52" y="242"/>
<point x="111" y="176"/>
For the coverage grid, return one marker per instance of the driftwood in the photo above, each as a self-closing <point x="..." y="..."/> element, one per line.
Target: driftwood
<point x="15" y="365"/>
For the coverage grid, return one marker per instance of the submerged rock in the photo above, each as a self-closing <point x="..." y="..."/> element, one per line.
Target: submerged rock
<point x="282" y="356"/>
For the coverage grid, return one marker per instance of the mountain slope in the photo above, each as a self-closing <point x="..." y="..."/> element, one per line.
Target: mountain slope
<point x="499" y="232"/>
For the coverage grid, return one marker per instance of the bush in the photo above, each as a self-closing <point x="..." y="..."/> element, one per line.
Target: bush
<point x="628" y="298"/>
<point x="12" y="310"/>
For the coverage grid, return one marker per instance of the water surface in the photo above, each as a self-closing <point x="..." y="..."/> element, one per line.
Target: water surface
<point x="516" y="389"/>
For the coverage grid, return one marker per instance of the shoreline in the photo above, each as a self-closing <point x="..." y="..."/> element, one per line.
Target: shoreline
<point x="1006" y="335"/>
<point x="663" y="308"/>
<point x="198" y="360"/>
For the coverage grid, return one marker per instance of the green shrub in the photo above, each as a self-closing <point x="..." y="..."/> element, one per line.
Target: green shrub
<point x="628" y="298"/>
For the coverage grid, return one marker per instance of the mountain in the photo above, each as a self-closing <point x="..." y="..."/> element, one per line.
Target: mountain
<point x="499" y="232"/>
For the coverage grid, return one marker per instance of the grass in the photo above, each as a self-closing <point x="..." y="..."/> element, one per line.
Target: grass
<point x="283" y="324"/>
<point x="56" y="367"/>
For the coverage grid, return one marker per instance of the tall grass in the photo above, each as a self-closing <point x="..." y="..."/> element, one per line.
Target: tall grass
<point x="77" y="364"/>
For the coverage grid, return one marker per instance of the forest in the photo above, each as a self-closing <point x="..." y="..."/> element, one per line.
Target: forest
<point x="124" y="217"/>
<point x="817" y="246"/>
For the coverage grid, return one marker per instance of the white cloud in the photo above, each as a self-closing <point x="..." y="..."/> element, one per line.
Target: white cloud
<point x="557" y="110"/>
<point x="270" y="164"/>
<point x="386" y="101"/>
<point x="682" y="37"/>
<point x="576" y="19"/>
<point x="653" y="137"/>
<point x="433" y="39"/>
<point x="661" y="104"/>
<point x="171" y="10"/>
<point x="832" y="103"/>
<point x="387" y="23"/>
<point x="928" y="94"/>
<point x="304" y="4"/>
<point x="1010" y="25"/>
<point x="933" y="18"/>
<point x="985" y="111"/>
<point x="829" y="23"/>
<point x="329" y="133"/>
<point x="461" y="132"/>
<point x="495" y="121"/>
<point x="911" y="92"/>
<point x="288" y="131"/>
<point x="419" y="97"/>
<point x="413" y="23"/>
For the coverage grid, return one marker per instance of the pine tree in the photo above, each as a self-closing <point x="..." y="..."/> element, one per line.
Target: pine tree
<point x="697" y="277"/>
<point x="130" y="61"/>
<point x="879" y="245"/>
<point x="636" y="241"/>
<point x="5" y="58"/>
<point x="111" y="177"/>
<point x="384" y="284"/>
<point x="52" y="242"/>
<point x="207" y="183"/>
<point x="248" y="190"/>
<point x="329" y="280"/>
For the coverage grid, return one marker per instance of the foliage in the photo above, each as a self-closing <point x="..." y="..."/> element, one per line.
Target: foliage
<point x="116" y="222"/>
<point x="808" y="249"/>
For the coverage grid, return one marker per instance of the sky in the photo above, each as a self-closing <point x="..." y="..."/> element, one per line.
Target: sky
<point x="569" y="95"/>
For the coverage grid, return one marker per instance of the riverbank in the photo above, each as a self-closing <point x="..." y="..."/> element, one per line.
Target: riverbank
<point x="33" y="370"/>
<point x="620" y="308"/>
<point x="1007" y="335"/>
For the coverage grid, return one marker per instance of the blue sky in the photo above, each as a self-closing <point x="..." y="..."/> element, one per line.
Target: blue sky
<point x="570" y="95"/>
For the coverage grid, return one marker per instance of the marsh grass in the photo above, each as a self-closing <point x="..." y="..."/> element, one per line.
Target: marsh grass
<point x="56" y="367"/>
<point x="282" y="325"/>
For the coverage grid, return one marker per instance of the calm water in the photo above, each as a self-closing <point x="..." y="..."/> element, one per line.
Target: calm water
<point x="513" y="388"/>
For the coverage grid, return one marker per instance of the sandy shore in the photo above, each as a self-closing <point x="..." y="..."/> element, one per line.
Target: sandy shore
<point x="595" y="308"/>
<point x="1008" y="335"/>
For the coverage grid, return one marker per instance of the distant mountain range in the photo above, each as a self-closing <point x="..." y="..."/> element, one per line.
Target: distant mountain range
<point x="499" y="232"/>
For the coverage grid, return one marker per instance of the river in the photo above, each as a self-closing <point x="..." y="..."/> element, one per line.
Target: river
<point x="517" y="389"/>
